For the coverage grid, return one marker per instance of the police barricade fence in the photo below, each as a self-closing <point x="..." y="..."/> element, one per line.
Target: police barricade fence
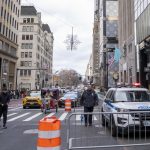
<point x="108" y="130"/>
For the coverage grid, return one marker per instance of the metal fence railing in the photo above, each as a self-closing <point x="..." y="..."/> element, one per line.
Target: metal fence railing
<point x="108" y="130"/>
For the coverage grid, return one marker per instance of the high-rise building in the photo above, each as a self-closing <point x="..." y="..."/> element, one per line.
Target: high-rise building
<point x="108" y="13"/>
<point x="142" y="24"/>
<point x="9" y="22"/>
<point x="35" y="53"/>
<point x="96" y="40"/>
<point x="127" y="64"/>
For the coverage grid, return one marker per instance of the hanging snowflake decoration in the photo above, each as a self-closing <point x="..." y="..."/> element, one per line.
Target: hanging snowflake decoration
<point x="72" y="42"/>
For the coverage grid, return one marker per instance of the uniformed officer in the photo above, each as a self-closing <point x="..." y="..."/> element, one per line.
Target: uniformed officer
<point x="89" y="99"/>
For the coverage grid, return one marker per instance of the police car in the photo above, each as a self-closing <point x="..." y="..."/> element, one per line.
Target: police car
<point x="124" y="102"/>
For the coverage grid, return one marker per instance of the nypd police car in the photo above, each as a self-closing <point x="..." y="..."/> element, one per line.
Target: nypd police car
<point x="128" y="109"/>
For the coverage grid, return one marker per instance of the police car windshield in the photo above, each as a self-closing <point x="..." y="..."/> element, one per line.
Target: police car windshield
<point x="132" y="96"/>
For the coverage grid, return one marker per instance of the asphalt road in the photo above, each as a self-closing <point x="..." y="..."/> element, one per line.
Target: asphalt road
<point x="22" y="133"/>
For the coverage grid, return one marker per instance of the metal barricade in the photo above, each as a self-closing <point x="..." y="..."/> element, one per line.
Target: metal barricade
<point x="109" y="130"/>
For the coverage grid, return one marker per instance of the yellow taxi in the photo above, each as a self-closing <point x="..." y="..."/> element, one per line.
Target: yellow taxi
<point x="33" y="100"/>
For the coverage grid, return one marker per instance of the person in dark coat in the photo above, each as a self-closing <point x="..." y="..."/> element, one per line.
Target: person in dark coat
<point x="4" y="100"/>
<point x="89" y="99"/>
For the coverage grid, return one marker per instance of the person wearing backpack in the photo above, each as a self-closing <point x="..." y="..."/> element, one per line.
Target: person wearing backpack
<point x="89" y="99"/>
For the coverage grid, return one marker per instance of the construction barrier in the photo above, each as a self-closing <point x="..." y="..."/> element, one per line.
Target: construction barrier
<point x="49" y="134"/>
<point x="68" y="105"/>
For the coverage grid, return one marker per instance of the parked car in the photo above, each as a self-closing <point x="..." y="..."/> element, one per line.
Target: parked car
<point x="32" y="100"/>
<point x="70" y="95"/>
<point x="126" y="100"/>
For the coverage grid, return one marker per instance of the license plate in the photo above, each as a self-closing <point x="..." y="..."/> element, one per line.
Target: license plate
<point x="146" y="123"/>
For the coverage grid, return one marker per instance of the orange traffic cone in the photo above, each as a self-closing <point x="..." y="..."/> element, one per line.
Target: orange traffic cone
<point x="49" y="134"/>
<point x="68" y="105"/>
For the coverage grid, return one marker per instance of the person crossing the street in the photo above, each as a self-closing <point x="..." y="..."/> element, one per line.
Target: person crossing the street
<point x="89" y="99"/>
<point x="4" y="100"/>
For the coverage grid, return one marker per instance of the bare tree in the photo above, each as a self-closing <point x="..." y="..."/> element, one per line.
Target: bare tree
<point x="69" y="78"/>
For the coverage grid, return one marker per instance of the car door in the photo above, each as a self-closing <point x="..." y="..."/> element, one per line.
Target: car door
<point x="107" y="103"/>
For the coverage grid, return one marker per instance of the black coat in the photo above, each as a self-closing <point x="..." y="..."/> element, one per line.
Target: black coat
<point x="4" y="98"/>
<point x="89" y="98"/>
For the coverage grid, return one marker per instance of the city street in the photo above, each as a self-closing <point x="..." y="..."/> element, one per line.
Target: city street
<point x="22" y="133"/>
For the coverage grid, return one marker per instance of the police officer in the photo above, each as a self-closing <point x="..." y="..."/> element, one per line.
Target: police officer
<point x="89" y="99"/>
<point x="4" y="100"/>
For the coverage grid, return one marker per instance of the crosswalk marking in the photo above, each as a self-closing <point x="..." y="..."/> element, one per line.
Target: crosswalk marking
<point x="32" y="117"/>
<point x="63" y="116"/>
<point x="9" y="115"/>
<point x="15" y="108"/>
<point x="15" y="118"/>
<point x="50" y="115"/>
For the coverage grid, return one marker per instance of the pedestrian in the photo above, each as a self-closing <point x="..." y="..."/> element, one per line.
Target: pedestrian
<point x="4" y="100"/>
<point x="88" y="99"/>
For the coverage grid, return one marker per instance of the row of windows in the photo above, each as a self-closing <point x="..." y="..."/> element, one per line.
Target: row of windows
<point x="25" y="72"/>
<point x="27" y="37"/>
<point x="9" y="49"/>
<point x="8" y="17"/>
<point x="27" y="29"/>
<point x="12" y="7"/>
<point x="26" y="54"/>
<point x="27" y="45"/>
<point x="8" y="33"/>
<point x="28" y="20"/>
<point x="25" y="63"/>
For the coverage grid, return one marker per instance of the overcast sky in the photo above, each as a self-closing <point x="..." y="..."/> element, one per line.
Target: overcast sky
<point x="62" y="15"/>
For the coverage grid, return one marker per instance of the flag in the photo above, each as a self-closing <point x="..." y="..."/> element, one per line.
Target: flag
<point x="117" y="54"/>
<point x="110" y="61"/>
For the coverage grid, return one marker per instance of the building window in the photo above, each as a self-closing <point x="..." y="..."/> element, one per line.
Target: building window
<point x="0" y="27"/>
<point x="1" y="44"/>
<point x="30" y="63"/>
<point x="32" y="20"/>
<point x="27" y="37"/>
<point x="24" y="20"/>
<point x="26" y="54"/>
<point x="25" y="72"/>
<point x="29" y="72"/>
<point x="23" y="37"/>
<point x="30" y="54"/>
<point x="21" y="72"/>
<point x="28" y="20"/>
<point x="26" y="63"/>
<point x="31" y="37"/>
<point x="21" y="63"/>
<point x="22" y="54"/>
<point x="1" y="11"/>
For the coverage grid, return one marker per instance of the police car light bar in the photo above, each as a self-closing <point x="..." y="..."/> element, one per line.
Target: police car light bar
<point x="136" y="84"/>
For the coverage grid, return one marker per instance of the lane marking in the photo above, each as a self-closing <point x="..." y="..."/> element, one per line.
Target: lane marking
<point x="63" y="116"/>
<point x="32" y="117"/>
<point x="10" y="120"/>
